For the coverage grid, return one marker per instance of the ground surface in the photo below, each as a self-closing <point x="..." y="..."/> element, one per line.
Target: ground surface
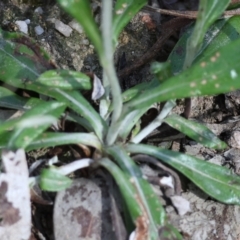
<point x="208" y="219"/>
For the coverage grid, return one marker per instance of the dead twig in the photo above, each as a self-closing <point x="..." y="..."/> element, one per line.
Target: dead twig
<point x="189" y="14"/>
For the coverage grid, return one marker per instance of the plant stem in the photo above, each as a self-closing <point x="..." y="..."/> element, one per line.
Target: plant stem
<point x="108" y="62"/>
<point x="105" y="100"/>
<point x="155" y="123"/>
<point x="73" y="166"/>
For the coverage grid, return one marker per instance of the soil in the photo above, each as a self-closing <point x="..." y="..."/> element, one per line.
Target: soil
<point x="208" y="219"/>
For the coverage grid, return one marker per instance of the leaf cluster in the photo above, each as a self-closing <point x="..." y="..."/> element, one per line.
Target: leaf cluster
<point x="207" y="64"/>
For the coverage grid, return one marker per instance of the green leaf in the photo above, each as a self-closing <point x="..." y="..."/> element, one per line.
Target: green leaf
<point x="81" y="11"/>
<point x="209" y="12"/>
<point x="51" y="180"/>
<point x="162" y="71"/>
<point x="153" y="210"/>
<point x="49" y="139"/>
<point x="80" y="120"/>
<point x="196" y="131"/>
<point x="80" y="105"/>
<point x="134" y="91"/>
<point x="129" y="122"/>
<point x="123" y="181"/>
<point x="34" y="122"/>
<point x="75" y="101"/>
<point x="4" y="139"/>
<point x="27" y="62"/>
<point x="65" y="79"/>
<point x="21" y="59"/>
<point x="218" y="73"/>
<point x="9" y="99"/>
<point x="219" y="34"/>
<point x="157" y="122"/>
<point x="124" y="11"/>
<point x="217" y="181"/>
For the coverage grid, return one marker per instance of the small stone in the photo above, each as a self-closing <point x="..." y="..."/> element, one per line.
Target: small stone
<point x="38" y="10"/>
<point x="27" y="21"/>
<point x="23" y="27"/>
<point x="181" y="204"/>
<point x="51" y="20"/>
<point x="234" y="139"/>
<point x="63" y="28"/>
<point x="76" y="26"/>
<point x="85" y="42"/>
<point x="39" y="30"/>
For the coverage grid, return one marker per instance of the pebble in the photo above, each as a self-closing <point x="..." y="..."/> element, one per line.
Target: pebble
<point x="38" y="10"/>
<point x="85" y="42"/>
<point x="63" y="28"/>
<point x="39" y="30"/>
<point x="23" y="25"/>
<point x="76" y="26"/>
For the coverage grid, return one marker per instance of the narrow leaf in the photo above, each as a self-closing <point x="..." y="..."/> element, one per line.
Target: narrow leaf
<point x="153" y="210"/>
<point x="50" y="139"/>
<point x="80" y="105"/>
<point x="134" y="91"/>
<point x="27" y="62"/>
<point x="209" y="12"/>
<point x="124" y="11"/>
<point x="21" y="59"/>
<point x="9" y="99"/>
<point x="53" y="181"/>
<point x="217" y="181"/>
<point x="162" y="71"/>
<point x="34" y="122"/>
<point x="123" y="181"/>
<point x="129" y="122"/>
<point x="65" y="79"/>
<point x="74" y="100"/>
<point x="221" y="33"/>
<point x="218" y="73"/>
<point x="196" y="131"/>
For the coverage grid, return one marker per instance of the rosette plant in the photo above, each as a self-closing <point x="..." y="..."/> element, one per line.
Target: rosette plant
<point x="206" y="67"/>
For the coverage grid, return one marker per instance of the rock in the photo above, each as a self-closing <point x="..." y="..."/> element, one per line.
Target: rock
<point x="63" y="28"/>
<point x="76" y="26"/>
<point x="39" y="30"/>
<point x="38" y="10"/>
<point x="23" y="26"/>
